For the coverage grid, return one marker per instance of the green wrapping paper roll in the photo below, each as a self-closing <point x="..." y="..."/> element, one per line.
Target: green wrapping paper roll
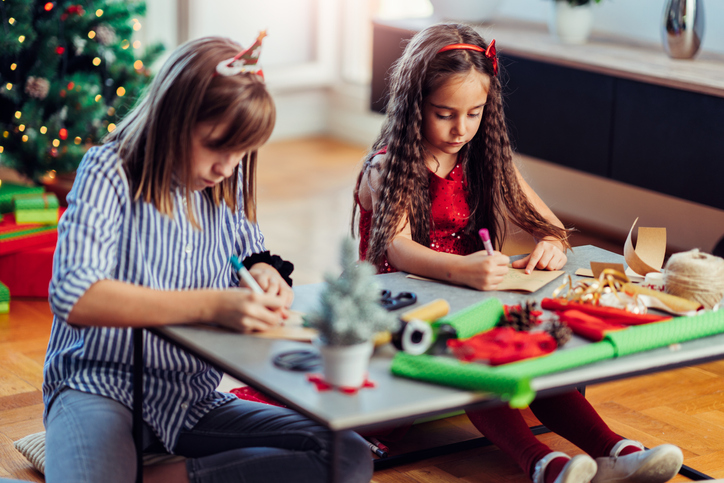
<point x="38" y="201"/>
<point x="474" y="319"/>
<point x="660" y="334"/>
<point x="510" y="382"/>
<point x="469" y="376"/>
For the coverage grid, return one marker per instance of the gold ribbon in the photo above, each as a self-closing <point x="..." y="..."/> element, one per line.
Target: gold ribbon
<point x="590" y="291"/>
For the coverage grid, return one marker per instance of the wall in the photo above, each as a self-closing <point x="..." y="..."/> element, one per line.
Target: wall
<point x="634" y="19"/>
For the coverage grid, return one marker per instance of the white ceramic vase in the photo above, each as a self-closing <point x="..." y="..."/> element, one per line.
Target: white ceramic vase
<point x="572" y="25"/>
<point x="473" y="11"/>
<point x="345" y="365"/>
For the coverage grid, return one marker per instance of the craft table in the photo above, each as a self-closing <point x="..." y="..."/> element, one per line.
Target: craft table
<point x="249" y="359"/>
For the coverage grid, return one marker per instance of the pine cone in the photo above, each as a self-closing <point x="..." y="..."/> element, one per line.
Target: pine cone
<point x="559" y="331"/>
<point x="521" y="318"/>
<point x="106" y="35"/>
<point x="37" y="87"/>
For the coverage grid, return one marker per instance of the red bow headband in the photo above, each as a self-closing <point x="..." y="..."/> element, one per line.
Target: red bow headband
<point x="245" y="61"/>
<point x="490" y="52"/>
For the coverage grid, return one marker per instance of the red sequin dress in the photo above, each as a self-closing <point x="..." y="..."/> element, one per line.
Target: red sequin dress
<point x="449" y="216"/>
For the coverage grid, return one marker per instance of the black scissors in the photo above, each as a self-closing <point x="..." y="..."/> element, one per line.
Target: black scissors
<point x="402" y="299"/>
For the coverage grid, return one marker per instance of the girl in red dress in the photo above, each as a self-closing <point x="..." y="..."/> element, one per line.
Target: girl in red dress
<point x="440" y="170"/>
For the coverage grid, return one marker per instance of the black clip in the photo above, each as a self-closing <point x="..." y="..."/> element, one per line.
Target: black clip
<point x="402" y="299"/>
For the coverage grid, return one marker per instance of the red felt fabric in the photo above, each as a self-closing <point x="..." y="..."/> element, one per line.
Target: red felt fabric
<point x="503" y="345"/>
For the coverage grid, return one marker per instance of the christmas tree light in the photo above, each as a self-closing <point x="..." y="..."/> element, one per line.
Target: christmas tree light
<point x="66" y="75"/>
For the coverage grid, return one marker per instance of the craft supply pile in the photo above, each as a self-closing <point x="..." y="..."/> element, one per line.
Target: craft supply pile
<point x="608" y="312"/>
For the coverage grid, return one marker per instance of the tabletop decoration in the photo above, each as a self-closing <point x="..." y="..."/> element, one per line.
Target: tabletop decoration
<point x="348" y="317"/>
<point x="682" y="28"/>
<point x="572" y="20"/>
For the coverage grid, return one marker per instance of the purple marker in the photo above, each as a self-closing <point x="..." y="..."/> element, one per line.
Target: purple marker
<point x="485" y="236"/>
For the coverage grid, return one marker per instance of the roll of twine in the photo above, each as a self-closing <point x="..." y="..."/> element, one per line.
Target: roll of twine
<point x="696" y="276"/>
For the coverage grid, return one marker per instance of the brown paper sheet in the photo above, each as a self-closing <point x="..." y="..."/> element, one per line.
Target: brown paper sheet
<point x="648" y="256"/>
<point x="517" y="280"/>
<point x="598" y="267"/>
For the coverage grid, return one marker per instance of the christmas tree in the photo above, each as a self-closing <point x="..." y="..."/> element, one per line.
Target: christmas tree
<point x="68" y="72"/>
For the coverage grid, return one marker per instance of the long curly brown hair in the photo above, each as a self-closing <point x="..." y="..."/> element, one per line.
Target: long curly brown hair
<point x="494" y="193"/>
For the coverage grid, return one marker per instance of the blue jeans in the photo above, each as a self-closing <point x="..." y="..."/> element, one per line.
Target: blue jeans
<point x="89" y="439"/>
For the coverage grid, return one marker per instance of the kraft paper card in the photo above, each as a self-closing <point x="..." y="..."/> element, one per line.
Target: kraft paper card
<point x="291" y="330"/>
<point x="298" y="333"/>
<point x="517" y="280"/>
<point x="648" y="256"/>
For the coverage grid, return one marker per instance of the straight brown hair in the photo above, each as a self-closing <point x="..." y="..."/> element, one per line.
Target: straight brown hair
<point x="155" y="137"/>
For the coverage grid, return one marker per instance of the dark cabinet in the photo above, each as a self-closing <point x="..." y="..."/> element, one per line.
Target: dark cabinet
<point x="670" y="141"/>
<point x="559" y="114"/>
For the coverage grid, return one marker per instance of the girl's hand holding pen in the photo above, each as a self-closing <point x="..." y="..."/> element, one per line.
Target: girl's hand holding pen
<point x="482" y="271"/>
<point x="272" y="283"/>
<point x="545" y="256"/>
<point x="242" y="310"/>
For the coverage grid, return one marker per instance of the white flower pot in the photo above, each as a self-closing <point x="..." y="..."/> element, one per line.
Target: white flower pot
<point x="572" y="25"/>
<point x="474" y="11"/>
<point x="345" y="365"/>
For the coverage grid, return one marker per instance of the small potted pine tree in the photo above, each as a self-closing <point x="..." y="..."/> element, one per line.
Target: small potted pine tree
<point x="348" y="317"/>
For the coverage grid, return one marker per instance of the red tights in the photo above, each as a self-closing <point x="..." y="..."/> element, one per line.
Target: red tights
<point x="569" y="415"/>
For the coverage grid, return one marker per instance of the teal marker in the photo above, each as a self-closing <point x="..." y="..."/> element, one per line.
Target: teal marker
<point x="244" y="275"/>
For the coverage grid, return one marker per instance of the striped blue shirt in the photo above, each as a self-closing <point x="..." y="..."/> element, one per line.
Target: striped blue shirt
<point x="105" y="235"/>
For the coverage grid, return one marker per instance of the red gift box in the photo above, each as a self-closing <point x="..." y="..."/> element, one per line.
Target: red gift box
<point x="27" y="273"/>
<point x="14" y="237"/>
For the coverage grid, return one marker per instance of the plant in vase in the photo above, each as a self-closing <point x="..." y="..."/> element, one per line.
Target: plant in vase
<point x="348" y="317"/>
<point x="572" y="20"/>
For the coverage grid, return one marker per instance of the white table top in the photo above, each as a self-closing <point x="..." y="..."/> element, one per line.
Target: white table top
<point x="249" y="359"/>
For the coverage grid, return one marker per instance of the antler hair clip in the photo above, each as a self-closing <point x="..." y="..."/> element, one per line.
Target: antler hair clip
<point x="490" y="52"/>
<point x="245" y="61"/>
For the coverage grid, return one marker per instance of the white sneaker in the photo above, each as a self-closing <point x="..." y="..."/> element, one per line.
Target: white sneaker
<point x="655" y="465"/>
<point x="580" y="468"/>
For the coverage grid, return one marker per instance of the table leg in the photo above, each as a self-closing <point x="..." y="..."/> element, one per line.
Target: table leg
<point x="138" y="400"/>
<point x="334" y="476"/>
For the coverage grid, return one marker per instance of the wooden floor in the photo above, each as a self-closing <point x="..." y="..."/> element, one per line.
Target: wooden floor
<point x="304" y="209"/>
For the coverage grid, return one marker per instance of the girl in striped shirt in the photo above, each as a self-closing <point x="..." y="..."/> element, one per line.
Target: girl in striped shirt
<point x="153" y="216"/>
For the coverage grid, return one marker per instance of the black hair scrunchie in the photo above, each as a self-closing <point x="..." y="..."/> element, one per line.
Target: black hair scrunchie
<point x="282" y="266"/>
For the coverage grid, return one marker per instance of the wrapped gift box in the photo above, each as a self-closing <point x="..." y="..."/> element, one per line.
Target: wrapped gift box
<point x="9" y="190"/>
<point x="39" y="208"/>
<point x="27" y="273"/>
<point x="4" y="299"/>
<point x="14" y="237"/>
